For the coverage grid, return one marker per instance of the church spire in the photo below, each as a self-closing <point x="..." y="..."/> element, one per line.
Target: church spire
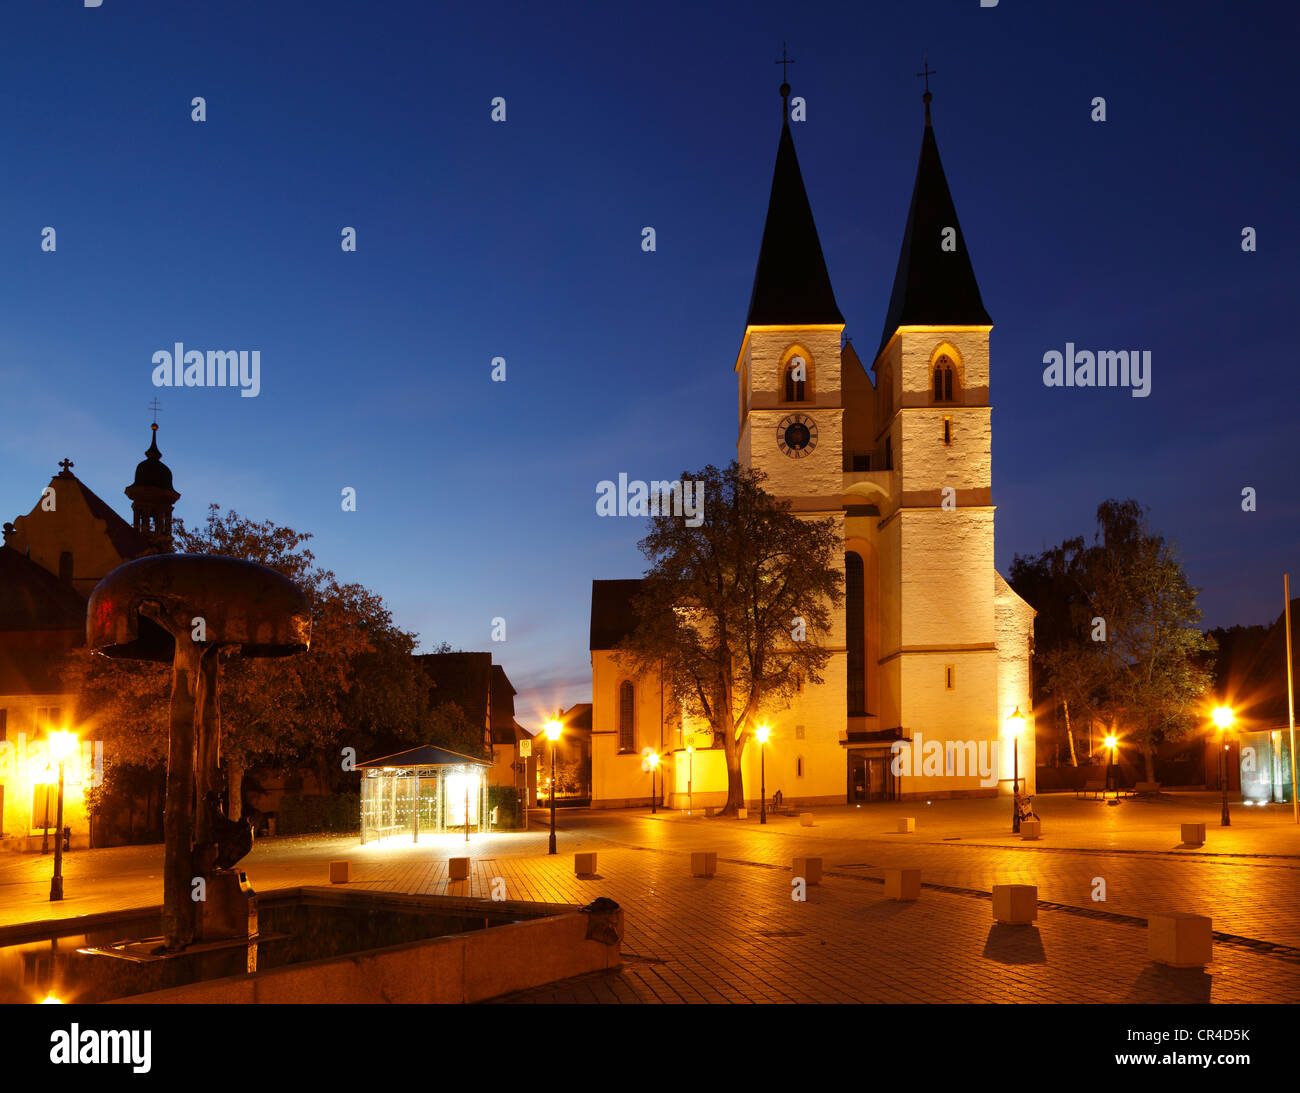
<point x="152" y="498"/>
<point x="791" y="285"/>
<point x="935" y="282"/>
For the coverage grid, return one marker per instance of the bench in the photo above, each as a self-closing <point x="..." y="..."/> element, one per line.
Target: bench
<point x="1092" y="787"/>
<point x="1147" y="789"/>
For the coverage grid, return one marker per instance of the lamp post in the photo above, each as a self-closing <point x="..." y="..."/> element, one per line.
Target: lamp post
<point x="690" y="778"/>
<point x="1017" y="724"/>
<point x="761" y="734"/>
<point x="1112" y="742"/>
<point x="652" y="761"/>
<point x="46" y="778"/>
<point x="553" y="730"/>
<point x="1223" y="718"/>
<point x="61" y="745"/>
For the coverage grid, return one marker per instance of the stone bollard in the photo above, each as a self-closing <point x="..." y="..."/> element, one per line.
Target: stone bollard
<point x="704" y="863"/>
<point x="585" y="864"/>
<point x="742" y="814"/>
<point x="458" y="868"/>
<point x="1193" y="834"/>
<point x="906" y="825"/>
<point x="903" y="884"/>
<point x="1180" y="940"/>
<point x="1031" y="829"/>
<point x="340" y="872"/>
<point x="809" y="868"/>
<point x="805" y="819"/>
<point x="1015" y="903"/>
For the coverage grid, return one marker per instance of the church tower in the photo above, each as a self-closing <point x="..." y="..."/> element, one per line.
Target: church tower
<point x="938" y="656"/>
<point x="791" y="426"/>
<point x="789" y="361"/>
<point x="152" y="498"/>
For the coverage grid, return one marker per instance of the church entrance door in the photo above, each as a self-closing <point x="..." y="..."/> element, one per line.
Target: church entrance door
<point x="869" y="777"/>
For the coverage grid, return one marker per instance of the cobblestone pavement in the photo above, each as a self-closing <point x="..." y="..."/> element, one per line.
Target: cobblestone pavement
<point x="739" y="937"/>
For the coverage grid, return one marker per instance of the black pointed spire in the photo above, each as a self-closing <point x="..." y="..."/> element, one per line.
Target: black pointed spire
<point x="933" y="286"/>
<point x="791" y="285"/>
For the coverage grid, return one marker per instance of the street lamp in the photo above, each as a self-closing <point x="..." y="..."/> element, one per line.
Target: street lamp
<point x="1223" y="718"/>
<point x="553" y="730"/>
<point x="652" y="761"/>
<point x="1017" y="724"/>
<point x="61" y="746"/>
<point x="1112" y="742"/>
<point x="761" y="734"/>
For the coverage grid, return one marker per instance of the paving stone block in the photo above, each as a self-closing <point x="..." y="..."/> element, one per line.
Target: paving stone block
<point x="808" y="868"/>
<point x="704" y="863"/>
<point x="1015" y="903"/>
<point x="584" y="864"/>
<point x="1180" y="940"/>
<point x="1193" y="834"/>
<point x="458" y="868"/>
<point x="903" y="883"/>
<point x="906" y="824"/>
<point x="340" y="872"/>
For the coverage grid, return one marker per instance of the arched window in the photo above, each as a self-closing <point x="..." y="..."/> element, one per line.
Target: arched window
<point x="796" y="380"/>
<point x="625" y="741"/>
<point x="943" y="380"/>
<point x="854" y="603"/>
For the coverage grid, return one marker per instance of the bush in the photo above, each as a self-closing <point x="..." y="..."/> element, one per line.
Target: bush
<point x="507" y="799"/>
<point x="302" y="814"/>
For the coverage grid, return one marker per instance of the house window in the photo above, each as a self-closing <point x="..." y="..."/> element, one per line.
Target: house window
<point x="798" y="767"/>
<point x="625" y="706"/>
<point x="796" y="380"/>
<point x="947" y="430"/>
<point x="948" y="677"/>
<point x="943" y="380"/>
<point x="45" y="804"/>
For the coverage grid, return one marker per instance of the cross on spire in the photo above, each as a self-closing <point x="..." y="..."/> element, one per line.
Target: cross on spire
<point x="155" y="407"/>
<point x="67" y="466"/>
<point x="783" y="62"/>
<point x="925" y="63"/>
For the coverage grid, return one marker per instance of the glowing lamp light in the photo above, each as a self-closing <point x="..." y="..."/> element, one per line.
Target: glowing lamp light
<point x="1017" y="723"/>
<point x="1223" y="717"/>
<point x="762" y="733"/>
<point x="51" y="1000"/>
<point x="553" y="728"/>
<point x="1112" y="740"/>
<point x="653" y="759"/>
<point x="62" y="744"/>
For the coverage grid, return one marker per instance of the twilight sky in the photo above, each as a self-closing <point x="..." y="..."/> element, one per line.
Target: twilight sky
<point x="522" y="240"/>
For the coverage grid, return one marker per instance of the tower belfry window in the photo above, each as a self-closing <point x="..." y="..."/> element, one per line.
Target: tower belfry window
<point x="943" y="380"/>
<point x="796" y="380"/>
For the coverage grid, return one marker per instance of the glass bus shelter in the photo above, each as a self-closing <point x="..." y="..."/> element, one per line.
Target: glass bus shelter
<point x="426" y="790"/>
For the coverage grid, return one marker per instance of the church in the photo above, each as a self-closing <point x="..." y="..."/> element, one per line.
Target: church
<point x="927" y="690"/>
<point x="51" y="560"/>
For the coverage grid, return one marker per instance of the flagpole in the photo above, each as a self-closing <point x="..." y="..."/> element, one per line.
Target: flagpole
<point x="1290" y="694"/>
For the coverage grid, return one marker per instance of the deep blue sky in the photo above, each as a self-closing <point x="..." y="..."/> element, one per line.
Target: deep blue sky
<point x="522" y="240"/>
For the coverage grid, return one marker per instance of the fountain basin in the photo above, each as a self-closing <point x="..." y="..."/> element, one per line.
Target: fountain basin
<point x="319" y="945"/>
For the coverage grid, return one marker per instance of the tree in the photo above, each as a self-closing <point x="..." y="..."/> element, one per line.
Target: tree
<point x="358" y="684"/>
<point x="1155" y="651"/>
<point x="1118" y="634"/>
<point x="734" y="611"/>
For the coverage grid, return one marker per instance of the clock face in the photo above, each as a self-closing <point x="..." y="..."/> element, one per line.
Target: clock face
<point x="796" y="436"/>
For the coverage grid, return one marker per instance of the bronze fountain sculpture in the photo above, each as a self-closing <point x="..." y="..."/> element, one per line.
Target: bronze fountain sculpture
<point x="192" y="609"/>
